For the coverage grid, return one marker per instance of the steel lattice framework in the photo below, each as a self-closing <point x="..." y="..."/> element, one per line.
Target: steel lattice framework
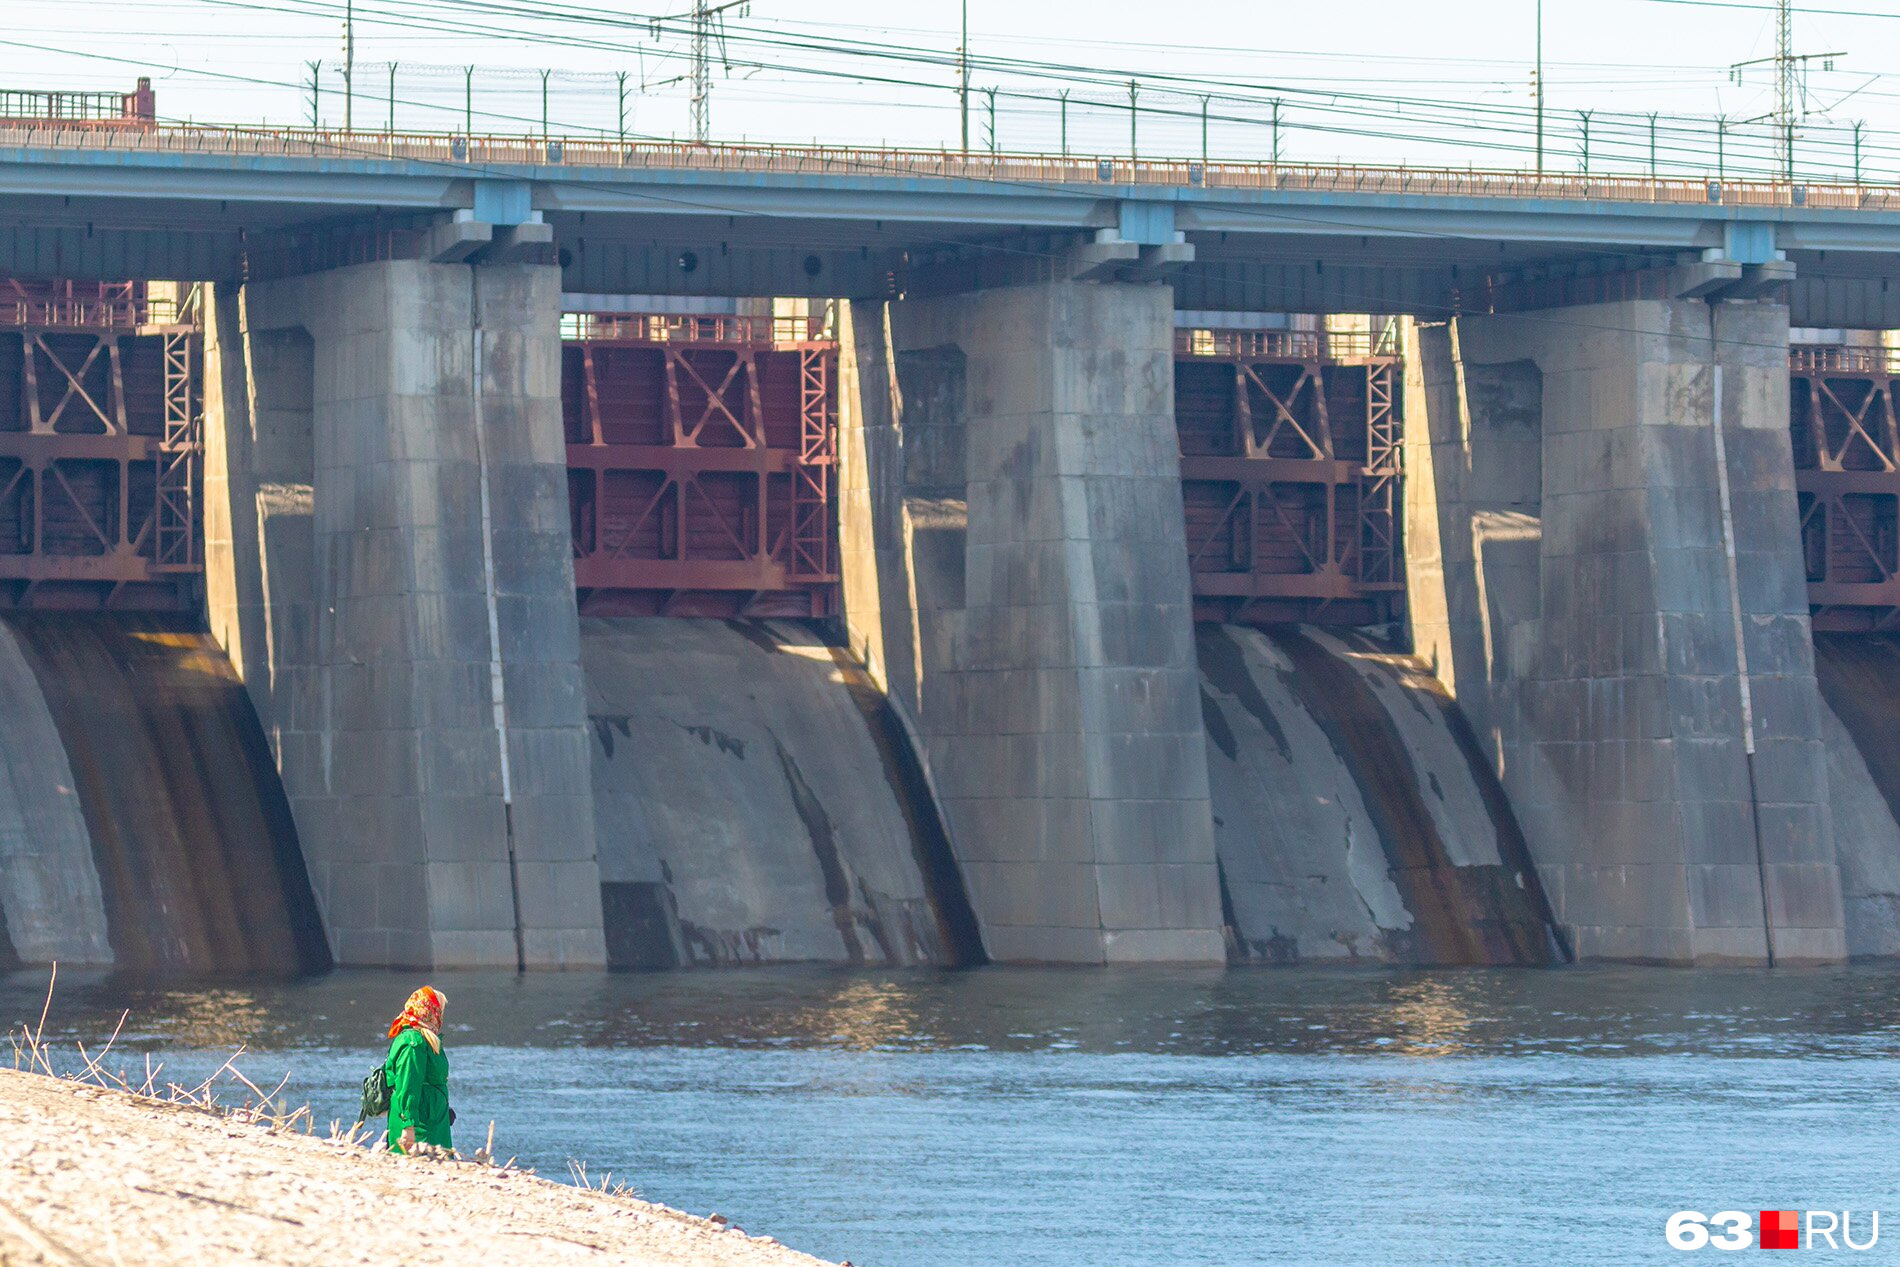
<point x="1290" y="444"/>
<point x="702" y="455"/>
<point x="100" y="451"/>
<point x="1847" y="474"/>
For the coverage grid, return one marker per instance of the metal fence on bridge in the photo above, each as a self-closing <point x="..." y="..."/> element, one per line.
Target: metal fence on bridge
<point x="462" y="150"/>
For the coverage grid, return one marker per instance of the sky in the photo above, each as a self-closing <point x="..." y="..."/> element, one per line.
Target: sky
<point x="1424" y="83"/>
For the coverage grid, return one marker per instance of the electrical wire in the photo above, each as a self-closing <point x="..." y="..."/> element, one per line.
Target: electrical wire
<point x="1615" y="135"/>
<point x="701" y="203"/>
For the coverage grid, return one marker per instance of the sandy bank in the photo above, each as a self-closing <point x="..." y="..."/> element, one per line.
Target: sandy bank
<point x="104" y="1179"/>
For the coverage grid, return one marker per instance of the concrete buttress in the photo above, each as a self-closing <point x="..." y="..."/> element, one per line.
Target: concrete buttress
<point x="1604" y="564"/>
<point x="1015" y="576"/>
<point x="389" y="566"/>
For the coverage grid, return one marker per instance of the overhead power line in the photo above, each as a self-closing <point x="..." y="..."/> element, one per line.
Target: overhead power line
<point x="1030" y="88"/>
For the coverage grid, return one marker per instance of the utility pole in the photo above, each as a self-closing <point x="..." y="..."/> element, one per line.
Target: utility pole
<point x="316" y="101"/>
<point x="1537" y="85"/>
<point x="349" y="63"/>
<point x="963" y="77"/>
<point x="1133" y="91"/>
<point x="622" y="77"/>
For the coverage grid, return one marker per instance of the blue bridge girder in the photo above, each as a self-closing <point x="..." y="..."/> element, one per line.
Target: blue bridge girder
<point x="207" y="203"/>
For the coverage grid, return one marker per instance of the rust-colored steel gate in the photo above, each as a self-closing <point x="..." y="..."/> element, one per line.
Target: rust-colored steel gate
<point x="1290" y="474"/>
<point x="702" y="459"/>
<point x="1847" y="473"/>
<point x="100" y="446"/>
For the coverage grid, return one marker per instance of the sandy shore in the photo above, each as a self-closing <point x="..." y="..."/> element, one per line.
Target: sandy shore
<point x="105" y="1179"/>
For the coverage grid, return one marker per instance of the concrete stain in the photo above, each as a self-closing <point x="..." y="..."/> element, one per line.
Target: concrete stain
<point x="958" y="939"/>
<point x="641" y="921"/>
<point x="758" y="633"/>
<point x="1217" y="728"/>
<point x="607" y="725"/>
<point x="1225" y="665"/>
<point x="712" y="737"/>
<point x="728" y="948"/>
<point x="824" y="844"/>
<point x="1461" y="915"/>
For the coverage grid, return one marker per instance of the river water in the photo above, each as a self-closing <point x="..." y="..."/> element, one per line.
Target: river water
<point x="1065" y="1118"/>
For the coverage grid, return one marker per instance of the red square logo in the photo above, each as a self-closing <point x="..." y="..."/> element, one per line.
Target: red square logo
<point x="1781" y="1229"/>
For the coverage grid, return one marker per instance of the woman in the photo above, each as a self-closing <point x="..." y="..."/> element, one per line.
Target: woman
<point x="418" y="1074"/>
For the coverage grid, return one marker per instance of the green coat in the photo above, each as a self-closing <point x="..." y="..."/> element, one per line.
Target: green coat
<point x="418" y="1090"/>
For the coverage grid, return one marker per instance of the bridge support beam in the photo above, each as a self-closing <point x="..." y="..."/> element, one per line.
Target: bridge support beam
<point x="390" y="567"/>
<point x="1605" y="567"/>
<point x="1015" y="574"/>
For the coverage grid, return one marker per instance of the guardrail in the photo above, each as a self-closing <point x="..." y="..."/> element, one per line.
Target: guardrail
<point x="463" y="151"/>
<point x="1844" y="360"/>
<point x="604" y="327"/>
<point x="1377" y="343"/>
<point x="100" y="314"/>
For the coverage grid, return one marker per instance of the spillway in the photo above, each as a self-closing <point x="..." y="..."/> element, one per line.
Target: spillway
<point x="757" y="801"/>
<point x="1354" y="817"/>
<point x="142" y="822"/>
<point x="1859" y="677"/>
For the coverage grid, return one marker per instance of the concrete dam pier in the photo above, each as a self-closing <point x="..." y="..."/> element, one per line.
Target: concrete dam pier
<point x="497" y="585"/>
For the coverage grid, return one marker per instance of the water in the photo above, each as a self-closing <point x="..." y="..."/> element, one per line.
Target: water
<point x="1094" y="1117"/>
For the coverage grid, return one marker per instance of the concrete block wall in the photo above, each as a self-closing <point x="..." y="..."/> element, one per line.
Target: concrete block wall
<point x="1570" y="581"/>
<point x="1016" y="577"/>
<point x="390" y="568"/>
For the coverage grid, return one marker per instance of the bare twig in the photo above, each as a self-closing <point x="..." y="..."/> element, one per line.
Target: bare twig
<point x="39" y="1035"/>
<point x="92" y="1062"/>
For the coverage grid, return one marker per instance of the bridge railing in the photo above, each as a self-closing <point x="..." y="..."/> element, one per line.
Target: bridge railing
<point x="1288" y="345"/>
<point x="1834" y="359"/>
<point x="463" y="151"/>
<point x="611" y="327"/>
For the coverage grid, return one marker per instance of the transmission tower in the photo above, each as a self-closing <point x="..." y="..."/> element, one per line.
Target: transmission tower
<point x="707" y="25"/>
<point x="702" y="71"/>
<point x="1791" y="70"/>
<point x="1784" y="88"/>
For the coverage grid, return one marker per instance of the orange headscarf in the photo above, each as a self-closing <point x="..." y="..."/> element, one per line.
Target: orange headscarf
<point x="422" y="1012"/>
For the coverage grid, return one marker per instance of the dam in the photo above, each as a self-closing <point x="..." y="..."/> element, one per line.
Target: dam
<point x="497" y="587"/>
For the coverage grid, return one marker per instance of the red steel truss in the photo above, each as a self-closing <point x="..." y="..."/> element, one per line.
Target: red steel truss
<point x="1290" y="475"/>
<point x="1847" y="473"/>
<point x="100" y="450"/>
<point x="138" y="108"/>
<point x="702" y="455"/>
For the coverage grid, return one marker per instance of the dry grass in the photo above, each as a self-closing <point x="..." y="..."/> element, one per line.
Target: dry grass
<point x="105" y="1165"/>
<point x="32" y="1054"/>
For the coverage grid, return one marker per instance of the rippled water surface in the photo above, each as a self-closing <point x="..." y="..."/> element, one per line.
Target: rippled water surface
<point x="1091" y="1117"/>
